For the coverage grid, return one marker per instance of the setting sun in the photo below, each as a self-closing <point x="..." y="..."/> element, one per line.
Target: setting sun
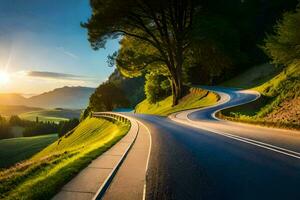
<point x="4" y="77"/>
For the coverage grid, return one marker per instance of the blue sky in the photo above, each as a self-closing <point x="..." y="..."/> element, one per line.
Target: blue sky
<point x="42" y="46"/>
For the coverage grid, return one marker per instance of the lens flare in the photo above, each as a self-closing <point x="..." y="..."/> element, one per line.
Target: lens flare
<point x="4" y="78"/>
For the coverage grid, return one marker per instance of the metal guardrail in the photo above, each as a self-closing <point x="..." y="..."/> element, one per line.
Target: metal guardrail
<point x="111" y="115"/>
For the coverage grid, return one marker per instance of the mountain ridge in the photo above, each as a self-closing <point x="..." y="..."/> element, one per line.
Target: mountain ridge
<point x="71" y="97"/>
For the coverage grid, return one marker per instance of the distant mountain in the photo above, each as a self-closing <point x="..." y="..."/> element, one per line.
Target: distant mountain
<point x="12" y="99"/>
<point x="66" y="97"/>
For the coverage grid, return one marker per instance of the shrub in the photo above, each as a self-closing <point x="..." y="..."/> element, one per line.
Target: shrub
<point x="157" y="87"/>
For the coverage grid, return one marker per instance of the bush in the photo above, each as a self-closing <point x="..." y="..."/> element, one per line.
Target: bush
<point x="157" y="87"/>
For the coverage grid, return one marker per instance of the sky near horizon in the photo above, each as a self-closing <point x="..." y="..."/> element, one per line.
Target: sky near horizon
<point x="42" y="47"/>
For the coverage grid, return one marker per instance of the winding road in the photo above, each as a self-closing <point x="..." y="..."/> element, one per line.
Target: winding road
<point x="194" y="155"/>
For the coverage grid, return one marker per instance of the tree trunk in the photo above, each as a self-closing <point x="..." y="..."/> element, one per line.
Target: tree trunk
<point x="177" y="88"/>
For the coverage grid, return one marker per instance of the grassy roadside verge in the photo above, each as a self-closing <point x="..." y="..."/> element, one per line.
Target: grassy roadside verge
<point x="260" y="121"/>
<point x="14" y="150"/>
<point x="279" y="105"/>
<point x="42" y="176"/>
<point x="196" y="98"/>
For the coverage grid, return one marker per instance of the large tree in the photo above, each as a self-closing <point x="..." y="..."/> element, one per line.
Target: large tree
<point x="284" y="46"/>
<point x="162" y="24"/>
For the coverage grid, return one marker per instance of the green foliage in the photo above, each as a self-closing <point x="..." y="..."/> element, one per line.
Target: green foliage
<point x="161" y="26"/>
<point x="85" y="113"/>
<point x="33" y="128"/>
<point x="133" y="87"/>
<point x="237" y="28"/>
<point x="5" y="129"/>
<point x="284" y="46"/>
<point x="66" y="126"/>
<point x="136" y="58"/>
<point x="43" y="175"/>
<point x="107" y="97"/>
<point x="157" y="87"/>
<point x="17" y="149"/>
<point x="40" y="128"/>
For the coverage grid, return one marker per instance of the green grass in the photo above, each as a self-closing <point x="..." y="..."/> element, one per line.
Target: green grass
<point x="17" y="149"/>
<point x="42" y="176"/>
<point x="195" y="99"/>
<point x="53" y="115"/>
<point x="283" y="87"/>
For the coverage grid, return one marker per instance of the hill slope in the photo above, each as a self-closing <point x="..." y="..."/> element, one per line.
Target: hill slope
<point x="66" y="97"/>
<point x="17" y="149"/>
<point x="280" y="101"/>
<point x="43" y="175"/>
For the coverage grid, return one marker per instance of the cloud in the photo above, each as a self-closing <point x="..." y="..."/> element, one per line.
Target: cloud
<point x="68" y="53"/>
<point x="55" y="75"/>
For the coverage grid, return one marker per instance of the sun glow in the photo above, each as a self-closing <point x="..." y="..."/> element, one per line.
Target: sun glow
<point x="4" y="78"/>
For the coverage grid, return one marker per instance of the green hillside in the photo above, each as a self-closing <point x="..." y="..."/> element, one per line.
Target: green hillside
<point x="52" y="115"/>
<point x="45" y="173"/>
<point x="279" y="104"/>
<point x="194" y="99"/>
<point x="17" y="149"/>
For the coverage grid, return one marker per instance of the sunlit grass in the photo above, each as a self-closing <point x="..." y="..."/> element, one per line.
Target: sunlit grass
<point x="195" y="99"/>
<point x="17" y="149"/>
<point x="43" y="175"/>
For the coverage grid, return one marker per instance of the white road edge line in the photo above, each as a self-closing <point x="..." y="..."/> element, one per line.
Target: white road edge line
<point x="254" y="141"/>
<point x="148" y="158"/>
<point x="271" y="147"/>
<point x="249" y="141"/>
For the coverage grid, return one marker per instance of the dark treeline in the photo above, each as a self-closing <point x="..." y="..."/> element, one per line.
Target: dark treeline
<point x="66" y="126"/>
<point x="34" y="128"/>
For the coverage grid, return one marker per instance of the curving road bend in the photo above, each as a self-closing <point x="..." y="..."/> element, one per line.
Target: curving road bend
<point x="196" y="156"/>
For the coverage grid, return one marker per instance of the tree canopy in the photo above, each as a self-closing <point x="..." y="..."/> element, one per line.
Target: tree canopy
<point x="188" y="41"/>
<point x="107" y="97"/>
<point x="284" y="46"/>
<point x="164" y="25"/>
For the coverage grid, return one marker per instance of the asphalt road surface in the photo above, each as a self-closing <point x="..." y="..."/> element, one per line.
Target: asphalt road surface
<point x="196" y="156"/>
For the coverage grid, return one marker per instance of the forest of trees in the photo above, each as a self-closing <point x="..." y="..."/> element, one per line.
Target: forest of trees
<point x="174" y="43"/>
<point x="34" y="128"/>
